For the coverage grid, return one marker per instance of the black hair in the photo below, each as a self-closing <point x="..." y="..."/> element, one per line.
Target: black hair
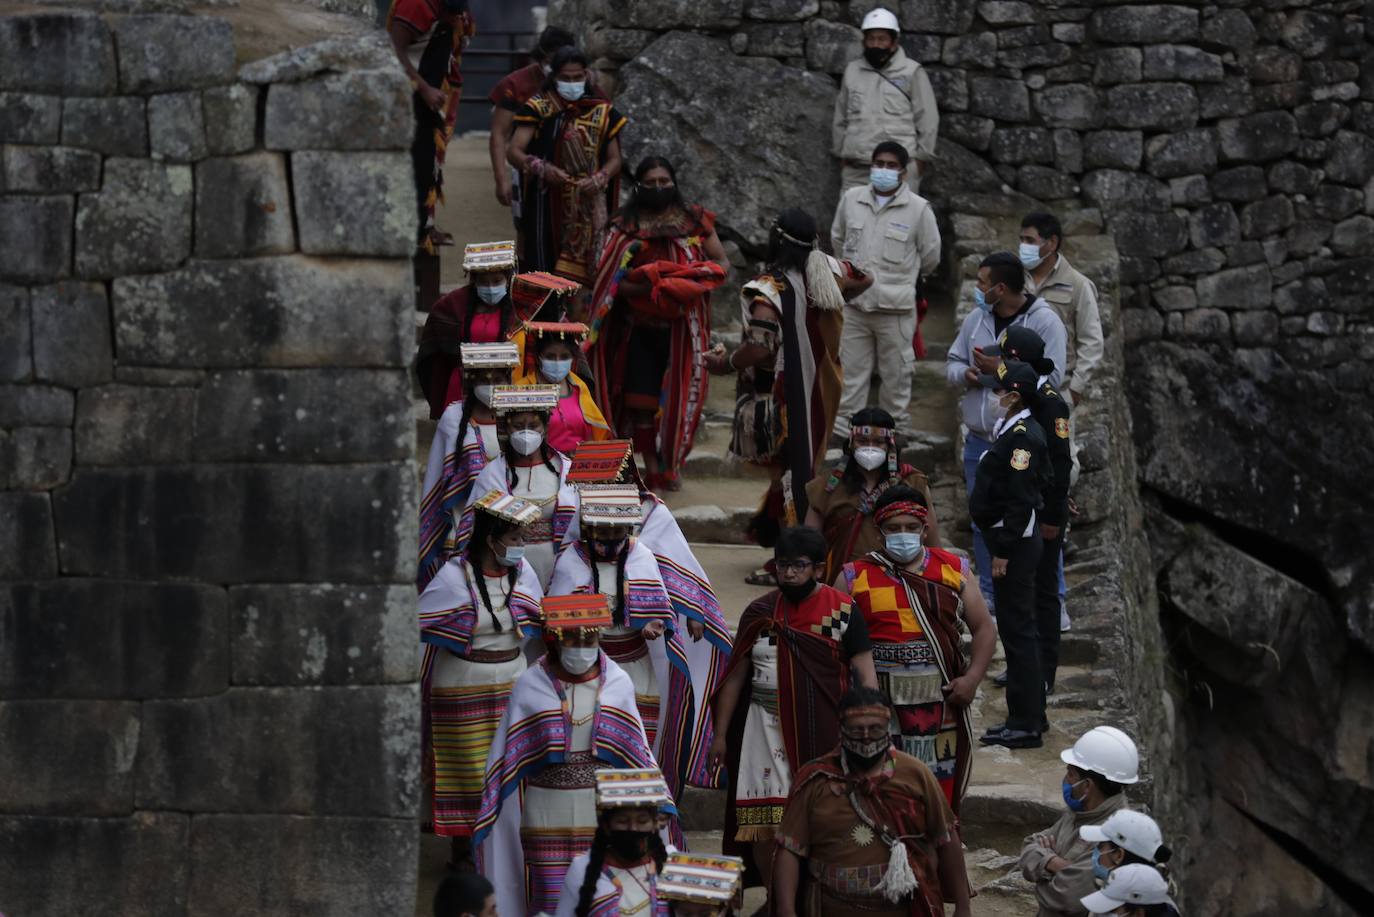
<point x="1104" y="786"/>
<point x="900" y="492"/>
<point x="567" y="54"/>
<point x="863" y="696"/>
<point x="895" y="148"/>
<point x="867" y="417"/>
<point x="1163" y="909"/>
<point x="596" y="861"/>
<point x="1159" y="862"/>
<point x="542" y="342"/>
<point x="618" y="607"/>
<point x="1005" y="268"/>
<point x="550" y="40"/>
<point x="485" y="526"/>
<point x="801" y="541"/>
<point x="462" y="893"/>
<point x="784" y="253"/>
<point x="630" y="210"/>
<point x="546" y="452"/>
<point x="1046" y="224"/>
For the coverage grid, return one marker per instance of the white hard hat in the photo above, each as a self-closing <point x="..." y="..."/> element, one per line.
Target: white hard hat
<point x="1134" y="883"/>
<point x="880" y="19"/>
<point x="1105" y="750"/>
<point x="1129" y="830"/>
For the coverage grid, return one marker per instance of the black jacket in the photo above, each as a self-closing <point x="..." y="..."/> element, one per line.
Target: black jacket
<point x="1052" y="413"/>
<point x="1010" y="485"/>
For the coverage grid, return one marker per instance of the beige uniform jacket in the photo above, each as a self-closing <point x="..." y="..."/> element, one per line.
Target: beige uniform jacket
<point x="1074" y="297"/>
<point x="896" y="243"/>
<point x="895" y="103"/>
<point x="1058" y="893"/>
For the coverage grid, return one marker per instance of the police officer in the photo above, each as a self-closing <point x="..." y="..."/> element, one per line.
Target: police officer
<point x="1008" y="493"/>
<point x="1051" y="411"/>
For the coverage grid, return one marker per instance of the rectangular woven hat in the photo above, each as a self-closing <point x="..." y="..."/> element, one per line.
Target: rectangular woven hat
<point x="631" y="788"/>
<point x="561" y="329"/>
<point x="532" y="291"/>
<point x="564" y="612"/>
<point x="506" y="399"/>
<point x="700" y="878"/>
<point x="489" y="256"/>
<point x="512" y="509"/>
<point x="599" y="462"/>
<point x="490" y="356"/>
<point x="609" y="504"/>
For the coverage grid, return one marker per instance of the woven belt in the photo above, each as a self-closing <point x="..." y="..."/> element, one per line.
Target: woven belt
<point x="626" y="648"/>
<point x="917" y="652"/>
<point x="767" y="698"/>
<point x="493" y="656"/>
<point x="579" y="773"/>
<point x="539" y="531"/>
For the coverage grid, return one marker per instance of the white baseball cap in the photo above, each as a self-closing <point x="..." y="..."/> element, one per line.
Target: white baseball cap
<point x="880" y="19"/>
<point x="1135" y="883"/>
<point x="1129" y="830"/>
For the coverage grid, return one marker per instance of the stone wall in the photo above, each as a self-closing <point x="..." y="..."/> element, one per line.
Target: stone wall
<point x="1228" y="149"/>
<point x="207" y="500"/>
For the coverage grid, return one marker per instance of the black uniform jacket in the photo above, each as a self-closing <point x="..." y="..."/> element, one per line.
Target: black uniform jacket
<point x="1010" y="484"/>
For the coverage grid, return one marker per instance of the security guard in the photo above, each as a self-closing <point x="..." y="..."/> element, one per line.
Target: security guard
<point x="1008" y="493"/>
<point x="1051" y="411"/>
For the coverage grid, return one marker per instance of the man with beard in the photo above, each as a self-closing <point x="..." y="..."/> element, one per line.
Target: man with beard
<point x="872" y="825"/>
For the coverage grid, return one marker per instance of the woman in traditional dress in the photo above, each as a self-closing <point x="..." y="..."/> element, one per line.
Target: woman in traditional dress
<point x="550" y="356"/>
<point x="618" y="877"/>
<point x="482" y="311"/>
<point x="529" y="468"/>
<point x="778" y="706"/>
<point x="464" y="441"/>
<point x="570" y="713"/>
<point x="567" y="148"/>
<point x="916" y="601"/>
<point x="651" y="319"/>
<point x="840" y="502"/>
<point x="788" y="386"/>
<point x="476" y="616"/>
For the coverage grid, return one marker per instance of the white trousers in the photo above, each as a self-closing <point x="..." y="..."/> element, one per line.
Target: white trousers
<point x="881" y="341"/>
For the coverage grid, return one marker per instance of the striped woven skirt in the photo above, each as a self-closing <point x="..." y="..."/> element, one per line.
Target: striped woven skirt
<point x="466" y="701"/>
<point x="630" y="651"/>
<point x="558" y="824"/>
<point x="924" y="726"/>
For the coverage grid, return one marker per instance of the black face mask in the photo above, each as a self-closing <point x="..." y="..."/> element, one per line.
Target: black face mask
<point x="796" y="593"/>
<point x="878" y="57"/>
<point x="655" y="198"/>
<point x="628" y="845"/>
<point x="859" y="763"/>
<point x="604" y="549"/>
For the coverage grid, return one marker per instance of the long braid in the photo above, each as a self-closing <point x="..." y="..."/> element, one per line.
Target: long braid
<point x="477" y="549"/>
<point x="468" y="408"/>
<point x="596" y="861"/>
<point x="619" y="612"/>
<point x="658" y="851"/>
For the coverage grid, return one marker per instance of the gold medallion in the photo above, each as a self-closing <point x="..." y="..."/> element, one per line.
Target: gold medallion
<point x="862" y="835"/>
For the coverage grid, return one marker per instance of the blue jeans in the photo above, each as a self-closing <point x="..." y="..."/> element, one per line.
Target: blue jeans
<point x="974" y="447"/>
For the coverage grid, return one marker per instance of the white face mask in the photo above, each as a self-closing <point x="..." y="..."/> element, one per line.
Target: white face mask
<point x="577" y="660"/>
<point x="870" y="457"/>
<point x="526" y="442"/>
<point x="514" y="553"/>
<point x="555" y="370"/>
<point x="1030" y="255"/>
<point x="491" y="295"/>
<point x="483" y="393"/>
<point x="572" y="91"/>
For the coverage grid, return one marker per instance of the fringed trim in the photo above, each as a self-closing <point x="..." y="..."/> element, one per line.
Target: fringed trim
<point x="752" y="833"/>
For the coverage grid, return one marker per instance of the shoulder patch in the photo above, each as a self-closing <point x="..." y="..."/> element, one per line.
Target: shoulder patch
<point x="1061" y="427"/>
<point x="1020" y="459"/>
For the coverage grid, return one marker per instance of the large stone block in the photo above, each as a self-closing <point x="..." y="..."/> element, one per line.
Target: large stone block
<point x="46" y="169"/>
<point x="1143" y="24"/>
<point x="39" y="458"/>
<point x="742" y="182"/>
<point x="140" y="220"/>
<point x="1353" y="237"/>
<point x="1154" y="235"/>
<point x="160" y="53"/>
<point x="366" y="51"/>
<point x="662" y="15"/>
<point x="1227" y="99"/>
<point x="830" y="46"/>
<point x="781" y="10"/>
<point x="1072" y="106"/>
<point x="134" y="425"/>
<point x="1181" y="153"/>
<point x="1181" y="62"/>
<point x="1267" y="218"/>
<point x="36" y="237"/>
<point x="1117" y="65"/>
<point x="1112" y="188"/>
<point x="282" y="416"/>
<point x="231" y="119"/>
<point x="1113" y="149"/>
<point x="176" y="127"/>
<point x="241" y="523"/>
<point x="1242" y="183"/>
<point x="323" y="634"/>
<point x="1022" y="144"/>
<point x="126" y="866"/>
<point x="243" y="206"/>
<point x="115" y="127"/>
<point x="26" y="118"/>
<point x="68" y="757"/>
<point x="67" y="53"/>
<point x="28" y="547"/>
<point x="1214" y="224"/>
<point x="1351" y="158"/>
<point x="943" y="17"/>
<point x="1237" y="288"/>
<point x="1153" y="106"/>
<point x="87" y="638"/>
<point x="271" y="753"/>
<point x="1229" y="29"/>
<point x="1259" y="137"/>
<point x="767" y="39"/>
<point x="994" y="97"/>
<point x="354" y="203"/>
<point x="16" y="349"/>
<point x="356" y="110"/>
<point x="290" y="311"/>
<point x="340" y="867"/>
<point x="71" y="334"/>
<point x="35" y="406"/>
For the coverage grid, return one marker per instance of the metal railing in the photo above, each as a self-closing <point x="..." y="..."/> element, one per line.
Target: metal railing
<point x="483" y="67"/>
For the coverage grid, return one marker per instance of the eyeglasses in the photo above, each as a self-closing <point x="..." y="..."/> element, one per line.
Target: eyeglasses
<point x="872" y="732"/>
<point x="793" y="566"/>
